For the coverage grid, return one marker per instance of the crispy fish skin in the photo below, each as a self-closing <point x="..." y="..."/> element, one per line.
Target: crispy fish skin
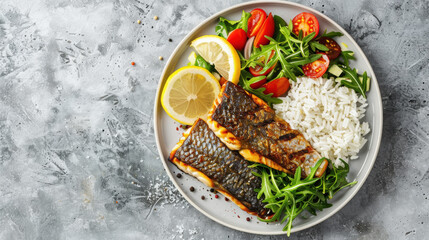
<point x="202" y="154"/>
<point x="246" y="123"/>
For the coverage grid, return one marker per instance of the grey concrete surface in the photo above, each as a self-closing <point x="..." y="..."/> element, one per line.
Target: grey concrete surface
<point x="77" y="152"/>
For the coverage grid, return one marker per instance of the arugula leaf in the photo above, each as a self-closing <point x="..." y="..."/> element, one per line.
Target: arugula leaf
<point x="289" y="196"/>
<point x="354" y="82"/>
<point x="225" y="26"/>
<point x="316" y="45"/>
<point x="347" y="56"/>
<point x="246" y="79"/>
<point x="331" y="34"/>
<point x="303" y="61"/>
<point x="307" y="38"/>
<point x="286" y="66"/>
<point x="301" y="48"/>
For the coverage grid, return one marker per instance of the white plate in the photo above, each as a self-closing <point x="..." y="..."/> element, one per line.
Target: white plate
<point x="227" y="213"/>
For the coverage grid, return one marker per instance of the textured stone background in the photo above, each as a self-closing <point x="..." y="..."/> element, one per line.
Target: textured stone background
<point x="77" y="152"/>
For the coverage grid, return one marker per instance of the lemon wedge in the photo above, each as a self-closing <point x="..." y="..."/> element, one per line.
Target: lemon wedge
<point x="218" y="51"/>
<point x="189" y="94"/>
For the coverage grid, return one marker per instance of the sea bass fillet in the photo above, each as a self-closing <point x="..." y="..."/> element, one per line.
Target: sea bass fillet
<point x="201" y="154"/>
<point x="246" y="123"/>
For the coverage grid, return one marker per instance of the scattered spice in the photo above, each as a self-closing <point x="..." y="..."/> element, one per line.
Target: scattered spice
<point x="138" y="21"/>
<point x="184" y="126"/>
<point x="177" y="129"/>
<point x="226" y="199"/>
<point x="155" y="18"/>
<point x="133" y="63"/>
<point x="161" y="58"/>
<point x="170" y="40"/>
<point x="116" y="201"/>
<point x="192" y="189"/>
<point x="238" y="216"/>
<point x="248" y="219"/>
<point x="216" y="196"/>
<point x="212" y="190"/>
<point x="203" y="198"/>
<point x="179" y="175"/>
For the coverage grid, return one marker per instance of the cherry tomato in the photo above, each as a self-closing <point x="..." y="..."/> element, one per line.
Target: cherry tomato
<point x="255" y="22"/>
<point x="317" y="68"/>
<point x="266" y="30"/>
<point x="237" y="38"/>
<point x="256" y="71"/>
<point x="306" y="22"/>
<point x="334" y="48"/>
<point x="258" y="84"/>
<point x="277" y="87"/>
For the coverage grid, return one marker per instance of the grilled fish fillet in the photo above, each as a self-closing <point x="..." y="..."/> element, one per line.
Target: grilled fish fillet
<point x="201" y="154"/>
<point x="246" y="123"/>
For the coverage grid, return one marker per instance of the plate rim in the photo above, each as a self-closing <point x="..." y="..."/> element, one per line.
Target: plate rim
<point x="374" y="87"/>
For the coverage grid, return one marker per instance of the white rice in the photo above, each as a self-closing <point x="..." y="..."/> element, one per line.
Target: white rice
<point x="328" y="115"/>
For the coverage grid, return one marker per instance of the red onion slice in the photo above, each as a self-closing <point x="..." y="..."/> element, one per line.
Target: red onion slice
<point x="248" y="47"/>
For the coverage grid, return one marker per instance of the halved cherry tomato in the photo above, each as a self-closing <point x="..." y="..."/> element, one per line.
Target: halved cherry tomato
<point x="317" y="68"/>
<point x="306" y="22"/>
<point x="334" y="48"/>
<point x="255" y="22"/>
<point x="237" y="38"/>
<point x="256" y="71"/>
<point x="266" y="30"/>
<point x="277" y="87"/>
<point x="258" y="84"/>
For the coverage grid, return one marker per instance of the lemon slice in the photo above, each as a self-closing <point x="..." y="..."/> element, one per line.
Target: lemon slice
<point x="189" y="94"/>
<point x="218" y="51"/>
